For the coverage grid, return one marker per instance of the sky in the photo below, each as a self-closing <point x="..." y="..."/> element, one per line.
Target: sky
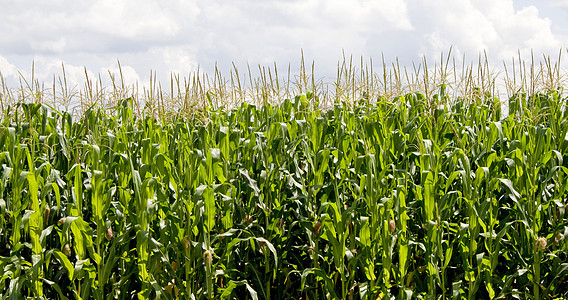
<point x="182" y="36"/>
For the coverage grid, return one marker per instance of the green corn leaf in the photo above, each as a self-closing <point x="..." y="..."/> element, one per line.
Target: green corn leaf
<point x="65" y="262"/>
<point x="227" y="292"/>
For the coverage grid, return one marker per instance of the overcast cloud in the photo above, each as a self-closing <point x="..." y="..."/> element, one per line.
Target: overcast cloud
<point x="179" y="36"/>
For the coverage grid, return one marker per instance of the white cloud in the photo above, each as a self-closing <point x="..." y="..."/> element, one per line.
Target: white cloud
<point x="125" y="73"/>
<point x="181" y="59"/>
<point x="130" y="19"/>
<point x="7" y="69"/>
<point x="46" y="67"/>
<point x="181" y="35"/>
<point x="57" y="46"/>
<point x="474" y="26"/>
<point x="62" y="26"/>
<point x="560" y="3"/>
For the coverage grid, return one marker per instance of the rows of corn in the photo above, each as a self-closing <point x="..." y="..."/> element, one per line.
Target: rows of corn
<point x="407" y="197"/>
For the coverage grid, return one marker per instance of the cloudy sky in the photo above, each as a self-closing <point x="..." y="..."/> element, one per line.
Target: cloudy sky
<point x="180" y="36"/>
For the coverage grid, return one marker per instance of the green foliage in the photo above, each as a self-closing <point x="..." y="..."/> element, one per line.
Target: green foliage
<point x="399" y="199"/>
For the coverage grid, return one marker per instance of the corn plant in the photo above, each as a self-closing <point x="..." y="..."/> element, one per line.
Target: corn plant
<point x="415" y="195"/>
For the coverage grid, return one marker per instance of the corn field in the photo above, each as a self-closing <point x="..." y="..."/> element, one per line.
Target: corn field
<point x="409" y="197"/>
